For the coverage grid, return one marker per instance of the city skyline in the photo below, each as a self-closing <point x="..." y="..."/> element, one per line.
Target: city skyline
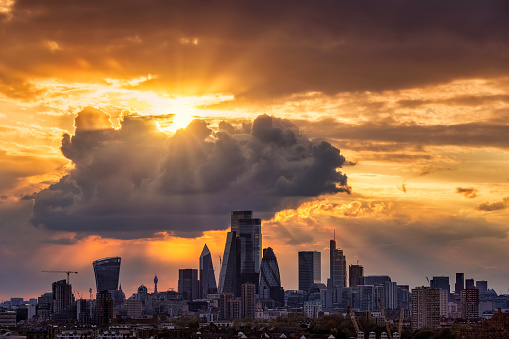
<point x="134" y="133"/>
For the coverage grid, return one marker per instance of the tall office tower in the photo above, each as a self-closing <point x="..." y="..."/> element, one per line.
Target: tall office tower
<point x="106" y="271"/>
<point x="207" y="277"/>
<point x="155" y="283"/>
<point x="248" y="300"/>
<point x="404" y="296"/>
<point x="229" y="278"/>
<point x="62" y="296"/>
<point x="469" y="283"/>
<point x="188" y="284"/>
<point x="482" y="286"/>
<point x="337" y="266"/>
<point x="270" y="281"/>
<point x="104" y="304"/>
<point x="441" y="282"/>
<point x="310" y="271"/>
<point x="355" y="275"/>
<point x="425" y="307"/>
<point x="248" y="230"/>
<point x="391" y="295"/>
<point x="470" y="303"/>
<point x="460" y="283"/>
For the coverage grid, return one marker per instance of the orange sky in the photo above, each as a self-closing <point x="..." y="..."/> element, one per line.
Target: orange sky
<point x="414" y="96"/>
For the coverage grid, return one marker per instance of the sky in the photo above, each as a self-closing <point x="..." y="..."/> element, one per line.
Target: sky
<point x="133" y="128"/>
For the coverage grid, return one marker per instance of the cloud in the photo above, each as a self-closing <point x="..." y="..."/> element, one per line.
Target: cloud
<point x="467" y="192"/>
<point x="324" y="47"/>
<point x="494" y="206"/>
<point x="367" y="136"/>
<point x="136" y="181"/>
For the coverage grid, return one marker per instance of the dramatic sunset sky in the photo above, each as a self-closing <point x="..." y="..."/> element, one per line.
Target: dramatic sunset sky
<point x="384" y="121"/>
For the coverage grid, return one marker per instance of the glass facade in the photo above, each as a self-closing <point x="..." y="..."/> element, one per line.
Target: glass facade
<point x="269" y="273"/>
<point x="107" y="273"/>
<point x="310" y="270"/>
<point x="207" y="277"/>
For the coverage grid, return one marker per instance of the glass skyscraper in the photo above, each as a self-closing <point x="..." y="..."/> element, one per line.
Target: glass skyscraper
<point x="207" y="277"/>
<point x="310" y="271"/>
<point x="337" y="266"/>
<point x="270" y="281"/>
<point x="229" y="278"/>
<point x="249" y="232"/>
<point x="242" y="253"/>
<point x="107" y="272"/>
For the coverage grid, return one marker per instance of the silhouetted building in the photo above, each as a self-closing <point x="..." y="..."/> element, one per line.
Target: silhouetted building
<point x="142" y="293"/>
<point x="469" y="283"/>
<point x="482" y="286"/>
<point x="134" y="308"/>
<point x="425" y="307"/>
<point x="104" y="304"/>
<point x="188" y="284"/>
<point x="229" y="278"/>
<point x="83" y="312"/>
<point x="229" y="306"/>
<point x="470" y="303"/>
<point x="441" y="282"/>
<point x="248" y="291"/>
<point x="310" y="271"/>
<point x="460" y="283"/>
<point x="107" y="273"/>
<point x="356" y="275"/>
<point x="62" y="296"/>
<point x="248" y="230"/>
<point x="44" y="305"/>
<point x="207" y="277"/>
<point x="270" y="281"/>
<point x="155" y="283"/>
<point x="337" y="266"/>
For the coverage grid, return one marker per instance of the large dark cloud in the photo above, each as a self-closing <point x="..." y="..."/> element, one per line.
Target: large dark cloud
<point x="135" y="181"/>
<point x="330" y="46"/>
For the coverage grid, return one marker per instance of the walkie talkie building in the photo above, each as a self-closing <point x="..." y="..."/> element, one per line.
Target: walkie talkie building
<point x="107" y="272"/>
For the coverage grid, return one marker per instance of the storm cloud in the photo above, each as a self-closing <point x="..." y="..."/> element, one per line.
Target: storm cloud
<point x="137" y="181"/>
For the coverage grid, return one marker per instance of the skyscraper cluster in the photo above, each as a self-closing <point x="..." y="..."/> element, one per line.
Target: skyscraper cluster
<point x="250" y="287"/>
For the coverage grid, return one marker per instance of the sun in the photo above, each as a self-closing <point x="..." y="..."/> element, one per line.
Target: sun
<point x="180" y="120"/>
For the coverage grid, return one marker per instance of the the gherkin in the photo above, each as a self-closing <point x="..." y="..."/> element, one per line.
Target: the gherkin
<point x="270" y="281"/>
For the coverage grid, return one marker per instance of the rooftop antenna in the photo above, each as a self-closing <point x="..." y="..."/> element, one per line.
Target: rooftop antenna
<point x="334" y="234"/>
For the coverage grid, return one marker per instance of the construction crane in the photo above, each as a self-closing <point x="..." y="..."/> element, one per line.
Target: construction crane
<point x="382" y="309"/>
<point x="401" y="316"/>
<point x="67" y="272"/>
<point x="354" y="321"/>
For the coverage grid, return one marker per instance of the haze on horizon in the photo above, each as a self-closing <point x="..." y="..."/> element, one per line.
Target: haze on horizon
<point x="132" y="128"/>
